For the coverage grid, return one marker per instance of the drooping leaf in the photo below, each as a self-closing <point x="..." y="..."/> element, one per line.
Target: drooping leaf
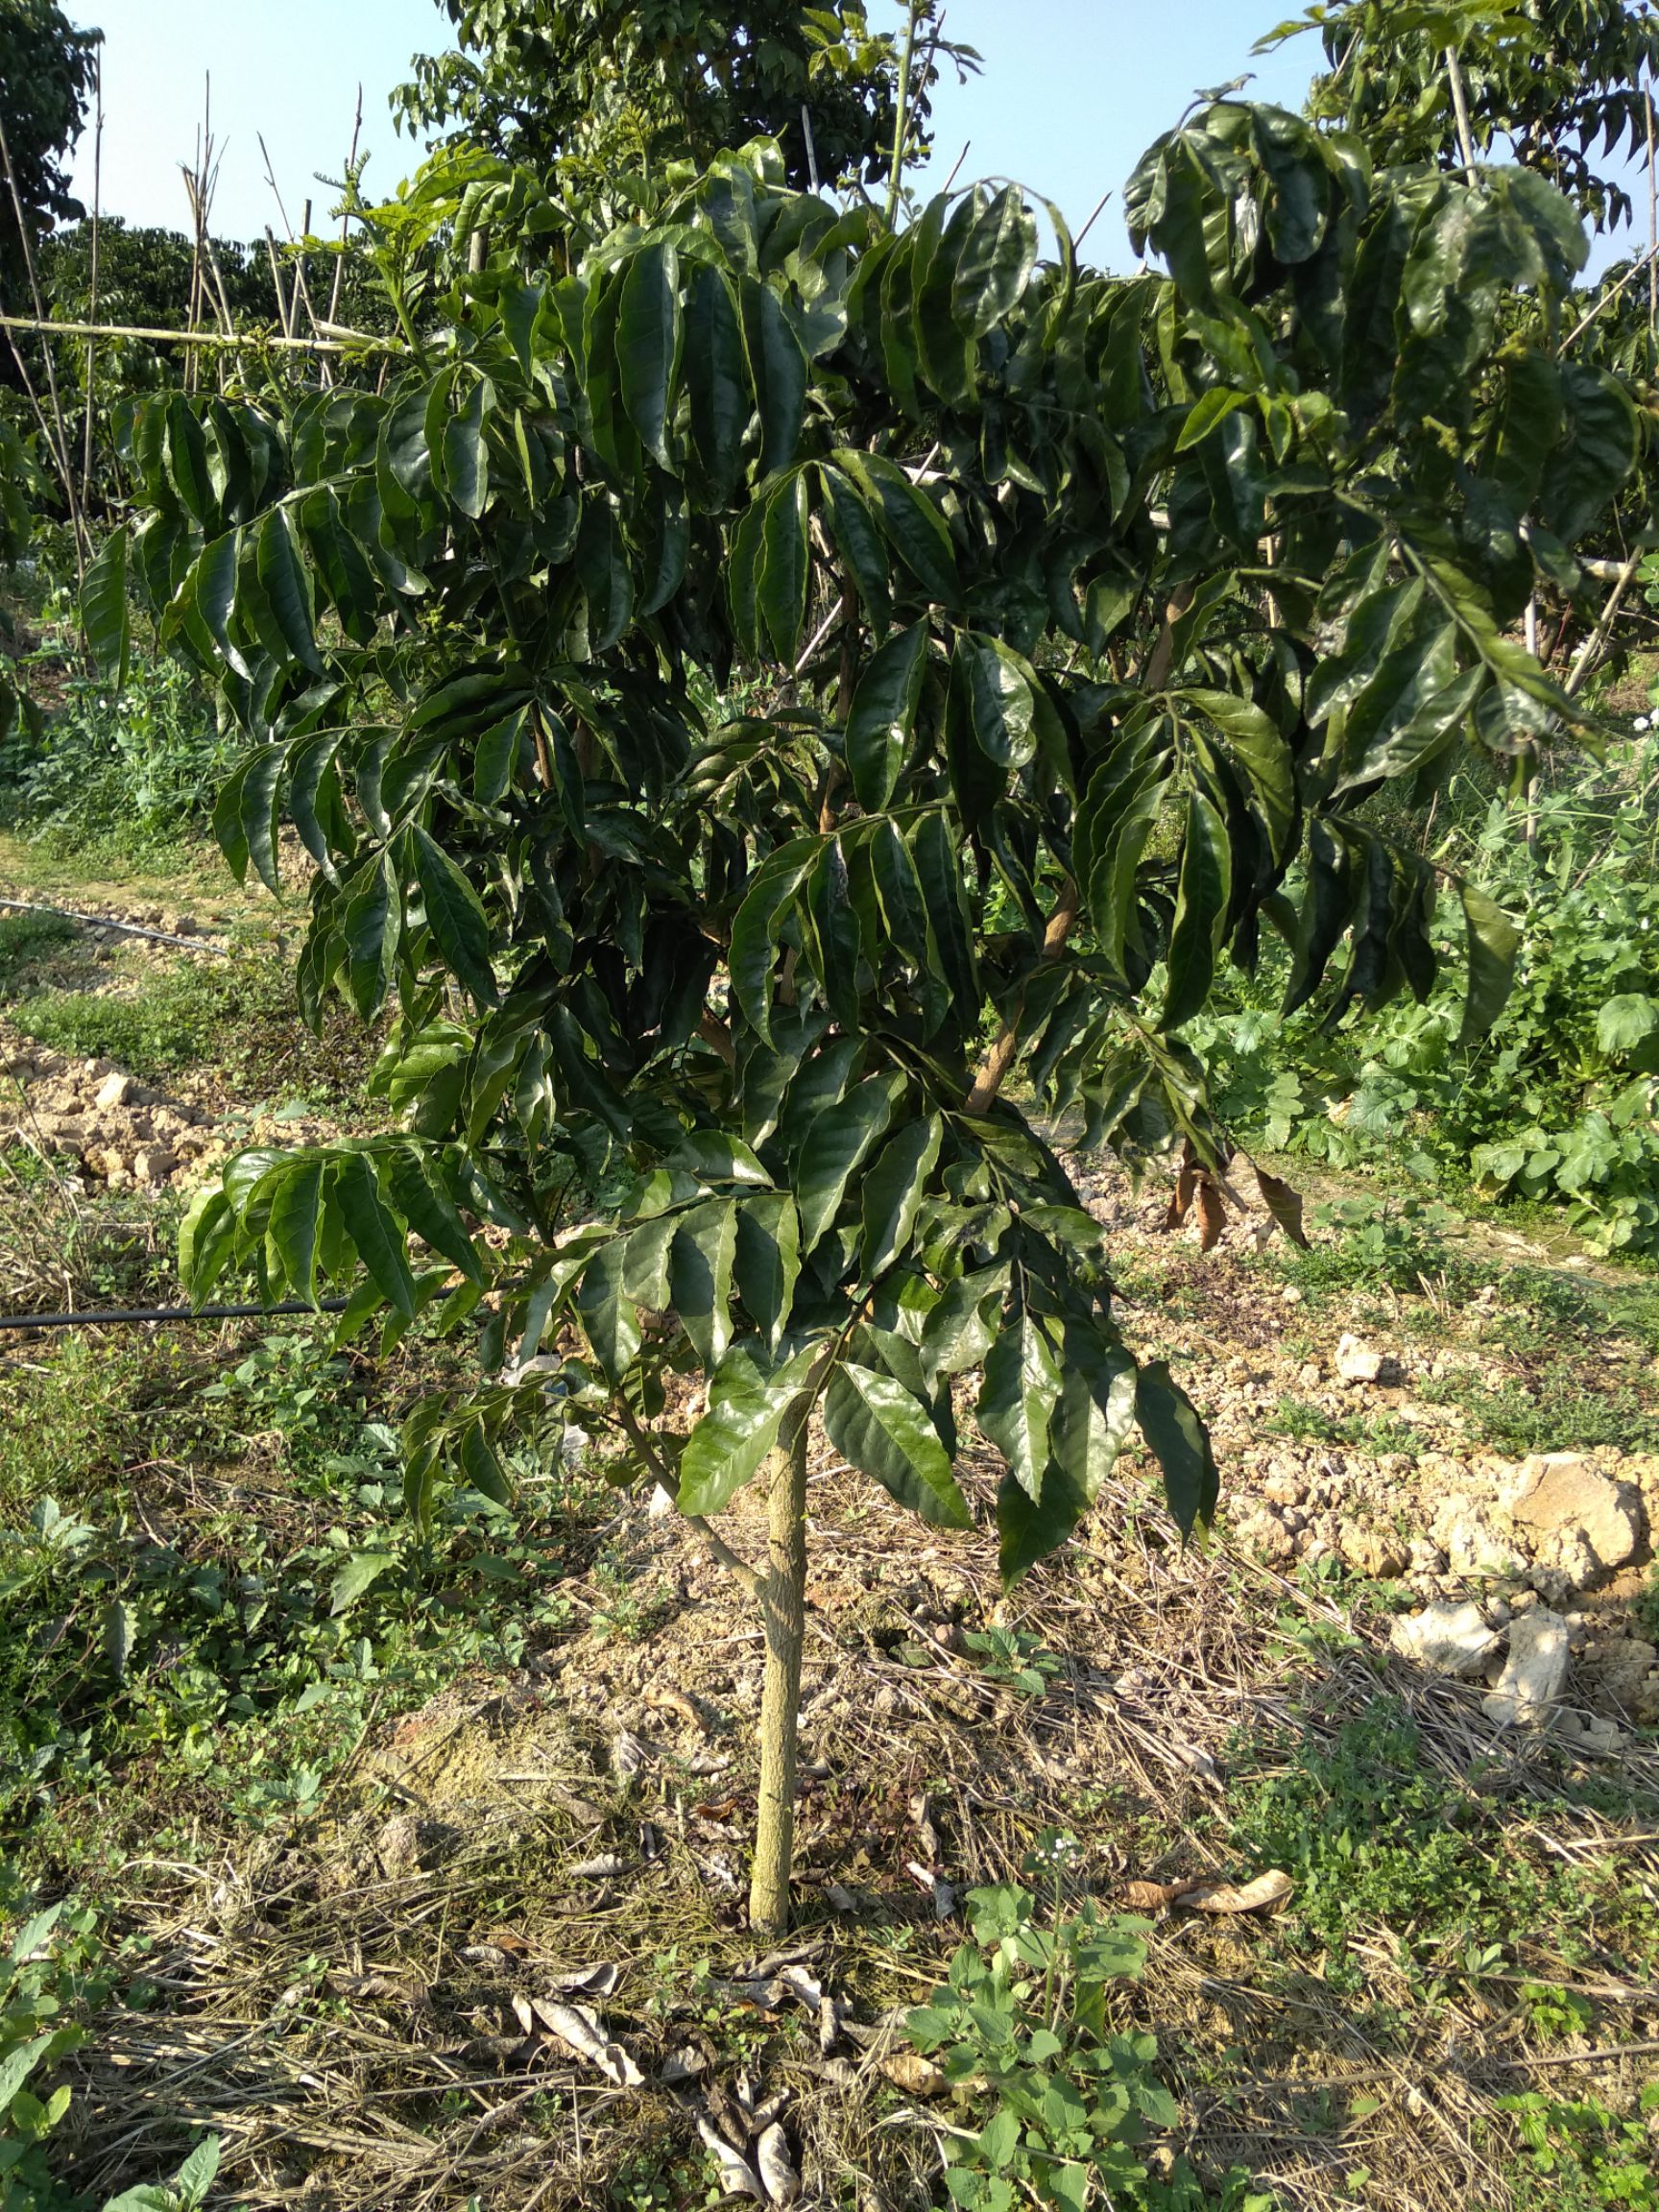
<point x="1018" y="1398"/>
<point x="1171" y="1423"/>
<point x="1493" y="941"/>
<point x="648" y="340"/>
<point x="456" y="919"/>
<point x="883" y="715"/>
<point x="104" y="610"/>
<point x="746" y="1408"/>
<point x="877" y="1426"/>
<point x="373" y="1230"/>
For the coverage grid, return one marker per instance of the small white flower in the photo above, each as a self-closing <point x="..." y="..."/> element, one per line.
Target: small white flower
<point x="1643" y="723"/>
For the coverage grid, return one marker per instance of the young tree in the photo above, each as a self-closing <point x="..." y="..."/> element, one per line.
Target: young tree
<point x="1561" y="84"/>
<point x="599" y="83"/>
<point x="755" y="681"/>
<point x="44" y="82"/>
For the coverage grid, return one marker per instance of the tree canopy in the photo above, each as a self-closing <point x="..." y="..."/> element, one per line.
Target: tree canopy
<point x="43" y="91"/>
<point x="603" y="82"/>
<point x="1561" y="84"/>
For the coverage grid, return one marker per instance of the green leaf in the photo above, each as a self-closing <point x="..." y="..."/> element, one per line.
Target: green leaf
<point x="607" y="1315"/>
<point x="939" y="868"/>
<point x="746" y="1409"/>
<point x="371" y="925"/>
<point x="1210" y="408"/>
<point x="994" y="264"/>
<point x="767" y="1262"/>
<point x="207" y="1241"/>
<point x="466" y="456"/>
<point x="648" y="341"/>
<point x="456" y="919"/>
<point x="1000" y="701"/>
<point x="878" y="1428"/>
<point x="1018" y="1398"/>
<point x="428" y="1209"/>
<point x="286" y="583"/>
<point x="893" y="1192"/>
<point x="357" y="1574"/>
<point x="912" y="525"/>
<point x="772" y="890"/>
<point x="294" y="1225"/>
<point x="1493" y="941"/>
<point x="883" y="715"/>
<point x="858" y="541"/>
<point x="721" y="406"/>
<point x="962" y="1327"/>
<point x="104" y="612"/>
<point x="700" y="1276"/>
<point x="1627" y="1021"/>
<point x="786" y="567"/>
<point x="1180" y="1444"/>
<point x="119" y="1629"/>
<point x="1201" y="903"/>
<point x="373" y="1230"/>
<point x="778" y="372"/>
<point x="838" y="1142"/>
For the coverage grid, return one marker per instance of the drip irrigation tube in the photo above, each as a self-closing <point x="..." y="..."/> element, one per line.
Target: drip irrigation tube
<point x="127" y="928"/>
<point x="131" y="1317"/>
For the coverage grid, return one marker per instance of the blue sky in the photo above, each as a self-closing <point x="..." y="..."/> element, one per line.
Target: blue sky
<point x="1072" y="93"/>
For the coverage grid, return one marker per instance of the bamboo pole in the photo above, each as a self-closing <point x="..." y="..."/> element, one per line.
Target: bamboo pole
<point x="346" y="220"/>
<point x="1652" y="223"/>
<point x="1460" y="109"/>
<point x="338" y="341"/>
<point x="783" y="1609"/>
<point x="92" y="280"/>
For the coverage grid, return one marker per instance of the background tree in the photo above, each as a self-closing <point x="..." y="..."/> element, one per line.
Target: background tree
<point x="44" y="84"/>
<point x="1562" y="85"/>
<point x="609" y="82"/>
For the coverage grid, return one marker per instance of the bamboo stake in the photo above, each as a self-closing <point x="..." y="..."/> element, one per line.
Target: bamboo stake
<point x="1460" y="109"/>
<point x="346" y="220"/>
<point x="92" y="280"/>
<point x="284" y="314"/>
<point x="339" y="341"/>
<point x="1652" y="223"/>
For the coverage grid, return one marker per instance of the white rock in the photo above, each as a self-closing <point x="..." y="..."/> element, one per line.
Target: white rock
<point x="1536" y="1672"/>
<point x="1357" y="1362"/>
<point x="114" y="1091"/>
<point x="1558" y="1493"/>
<point x="1446" y="1639"/>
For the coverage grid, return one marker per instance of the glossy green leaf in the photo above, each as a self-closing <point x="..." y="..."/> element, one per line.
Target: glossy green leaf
<point x="893" y="1190"/>
<point x="786" y="567"/>
<point x="609" y="1318"/>
<point x="714" y="365"/>
<point x="427" y="1208"/>
<point x="1494" y="942"/>
<point x="648" y="341"/>
<point x="1016" y="1400"/>
<point x="104" y="614"/>
<point x="287" y="588"/>
<point x="995" y="263"/>
<point x="883" y="715"/>
<point x="778" y="373"/>
<point x="878" y="1428"/>
<point x="1200" y="911"/>
<point x="1171" y="1425"/>
<point x="910" y="523"/>
<point x="767" y="1260"/>
<point x="1000" y="701"/>
<point x="837" y="1144"/>
<point x="373" y="1231"/>
<point x="293" y="1226"/>
<point x="700" y="1272"/>
<point x="729" y="1445"/>
<point x="456" y="919"/>
<point x="753" y="950"/>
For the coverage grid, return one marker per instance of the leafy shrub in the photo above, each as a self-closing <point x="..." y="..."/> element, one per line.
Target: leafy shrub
<point x="124" y="775"/>
<point x="1063" y="2104"/>
<point x="199" y="1014"/>
<point x="24" y="937"/>
<point x="1560" y="1103"/>
<point x="1580" y="2156"/>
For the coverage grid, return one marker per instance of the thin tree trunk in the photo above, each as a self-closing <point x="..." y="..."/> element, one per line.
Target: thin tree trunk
<point x="783" y="1608"/>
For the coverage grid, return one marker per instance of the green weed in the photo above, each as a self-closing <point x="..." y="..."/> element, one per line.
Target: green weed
<point x="1370" y="1834"/>
<point x="1581" y="2157"/>
<point x="24" y="938"/>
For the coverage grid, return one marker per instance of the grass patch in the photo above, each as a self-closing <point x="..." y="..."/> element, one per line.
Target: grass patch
<point x="1550" y="1409"/>
<point x="1376" y="1836"/>
<point x="236" y="1015"/>
<point x="24" y="938"/>
<point x="1374" y="1433"/>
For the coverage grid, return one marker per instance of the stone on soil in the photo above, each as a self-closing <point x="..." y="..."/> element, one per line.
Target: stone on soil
<point x="1448" y="1638"/>
<point x="1561" y="1494"/>
<point x="1535" y="1671"/>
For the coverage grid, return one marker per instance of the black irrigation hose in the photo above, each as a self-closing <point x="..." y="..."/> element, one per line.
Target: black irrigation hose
<point x="131" y="1317"/>
<point x="127" y="928"/>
